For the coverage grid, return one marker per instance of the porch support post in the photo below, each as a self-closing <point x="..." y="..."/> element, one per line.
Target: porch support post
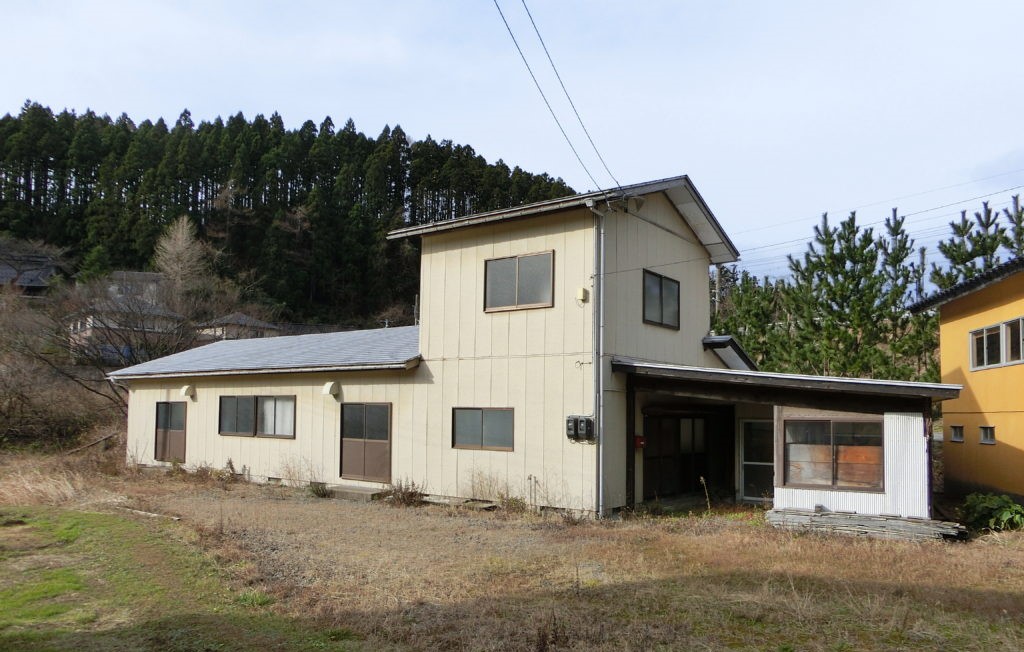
<point x="630" y="448"/>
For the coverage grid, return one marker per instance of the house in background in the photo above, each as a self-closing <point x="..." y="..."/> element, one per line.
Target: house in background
<point x="562" y="356"/>
<point x="237" y="326"/>
<point x="26" y="270"/>
<point x="981" y="325"/>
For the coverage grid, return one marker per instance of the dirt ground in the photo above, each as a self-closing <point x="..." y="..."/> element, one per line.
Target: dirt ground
<point x="444" y="578"/>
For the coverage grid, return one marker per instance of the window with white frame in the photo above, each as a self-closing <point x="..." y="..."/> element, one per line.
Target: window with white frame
<point x="997" y="345"/>
<point x="956" y="433"/>
<point x="987" y="434"/>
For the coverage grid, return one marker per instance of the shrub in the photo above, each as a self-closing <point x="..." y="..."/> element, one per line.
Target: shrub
<point x="404" y="493"/>
<point x="512" y="504"/>
<point x="992" y="512"/>
<point x="319" y="490"/>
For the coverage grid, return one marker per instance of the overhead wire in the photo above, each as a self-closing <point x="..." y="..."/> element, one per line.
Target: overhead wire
<point x="545" y="98"/>
<point x="885" y="201"/>
<point x="568" y="97"/>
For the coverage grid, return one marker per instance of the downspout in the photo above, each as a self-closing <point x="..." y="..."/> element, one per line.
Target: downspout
<point x="598" y="337"/>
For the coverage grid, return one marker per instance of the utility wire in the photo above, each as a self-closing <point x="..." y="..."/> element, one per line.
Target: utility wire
<point x="568" y="97"/>
<point x="545" y="98"/>
<point x="876" y="222"/>
<point x="886" y="201"/>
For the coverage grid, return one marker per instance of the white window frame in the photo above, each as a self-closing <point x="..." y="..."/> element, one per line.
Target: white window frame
<point x="956" y="434"/>
<point x="1004" y="344"/>
<point x="987" y="435"/>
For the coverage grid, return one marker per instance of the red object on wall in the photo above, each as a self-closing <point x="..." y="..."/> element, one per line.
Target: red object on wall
<point x="639" y="441"/>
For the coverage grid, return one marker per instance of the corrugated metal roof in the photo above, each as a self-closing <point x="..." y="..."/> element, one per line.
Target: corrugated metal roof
<point x="382" y="348"/>
<point x="679" y="190"/>
<point x="994" y="275"/>
<point x="755" y="379"/>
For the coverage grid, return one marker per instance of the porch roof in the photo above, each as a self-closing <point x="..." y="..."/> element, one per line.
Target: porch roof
<point x="765" y="387"/>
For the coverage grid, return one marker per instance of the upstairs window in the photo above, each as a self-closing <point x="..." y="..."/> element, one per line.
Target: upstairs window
<point x="519" y="282"/>
<point x="956" y="433"/>
<point x="661" y="300"/>
<point x="997" y="345"/>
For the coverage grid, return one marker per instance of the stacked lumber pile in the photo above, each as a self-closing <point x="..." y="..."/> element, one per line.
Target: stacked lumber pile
<point x="888" y="527"/>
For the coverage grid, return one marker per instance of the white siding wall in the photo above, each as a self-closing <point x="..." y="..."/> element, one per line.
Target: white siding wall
<point x="658" y="239"/>
<point x="906" y="477"/>
<point x="538" y="362"/>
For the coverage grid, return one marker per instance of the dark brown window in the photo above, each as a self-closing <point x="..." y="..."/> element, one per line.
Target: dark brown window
<point x="170" y="432"/>
<point x="519" y="282"/>
<point x="260" y="416"/>
<point x="838" y="454"/>
<point x="661" y="300"/>
<point x="482" y="428"/>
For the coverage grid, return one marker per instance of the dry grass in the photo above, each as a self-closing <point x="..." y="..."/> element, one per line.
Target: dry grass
<point x="444" y="578"/>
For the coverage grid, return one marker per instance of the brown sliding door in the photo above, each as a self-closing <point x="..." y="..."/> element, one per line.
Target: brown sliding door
<point x="366" y="441"/>
<point x="170" y="432"/>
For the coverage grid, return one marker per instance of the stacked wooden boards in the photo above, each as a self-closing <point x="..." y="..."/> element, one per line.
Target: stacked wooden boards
<point x="889" y="527"/>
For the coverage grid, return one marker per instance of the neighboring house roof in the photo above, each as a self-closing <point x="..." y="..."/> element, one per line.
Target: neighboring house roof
<point x="241" y="319"/>
<point x="27" y="270"/>
<point x="382" y="348"/>
<point x="756" y="380"/>
<point x="679" y="190"/>
<point x="128" y="276"/>
<point x="994" y="275"/>
<point x="729" y="351"/>
<point x="130" y="306"/>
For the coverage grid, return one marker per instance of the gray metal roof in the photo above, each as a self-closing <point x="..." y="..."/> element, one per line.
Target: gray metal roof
<point x="382" y="348"/>
<point x="679" y="190"/>
<point x="762" y="379"/>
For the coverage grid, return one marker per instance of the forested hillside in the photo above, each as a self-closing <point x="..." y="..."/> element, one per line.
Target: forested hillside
<point x="299" y="214"/>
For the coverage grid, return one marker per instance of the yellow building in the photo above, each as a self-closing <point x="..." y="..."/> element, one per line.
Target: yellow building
<point x="980" y="329"/>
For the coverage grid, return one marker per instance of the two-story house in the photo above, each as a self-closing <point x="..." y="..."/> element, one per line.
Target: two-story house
<point x="562" y="356"/>
<point x="981" y="325"/>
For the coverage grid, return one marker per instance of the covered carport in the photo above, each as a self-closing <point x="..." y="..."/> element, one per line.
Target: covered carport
<point x="849" y="445"/>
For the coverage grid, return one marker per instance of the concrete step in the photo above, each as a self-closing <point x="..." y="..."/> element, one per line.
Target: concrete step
<point x="357" y="493"/>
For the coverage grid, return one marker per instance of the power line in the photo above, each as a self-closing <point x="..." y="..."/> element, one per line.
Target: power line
<point x="877" y="222"/>
<point x="567" y="96"/>
<point x="886" y="201"/>
<point x="545" y="98"/>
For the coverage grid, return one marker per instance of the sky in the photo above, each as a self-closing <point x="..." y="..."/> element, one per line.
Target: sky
<point x="778" y="111"/>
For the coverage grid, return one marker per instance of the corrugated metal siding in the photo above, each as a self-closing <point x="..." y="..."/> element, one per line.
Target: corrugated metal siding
<point x="906" y="477"/>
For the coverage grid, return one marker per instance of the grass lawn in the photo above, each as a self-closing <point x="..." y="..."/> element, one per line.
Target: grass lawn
<point x="83" y="581"/>
<point x="265" y="567"/>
